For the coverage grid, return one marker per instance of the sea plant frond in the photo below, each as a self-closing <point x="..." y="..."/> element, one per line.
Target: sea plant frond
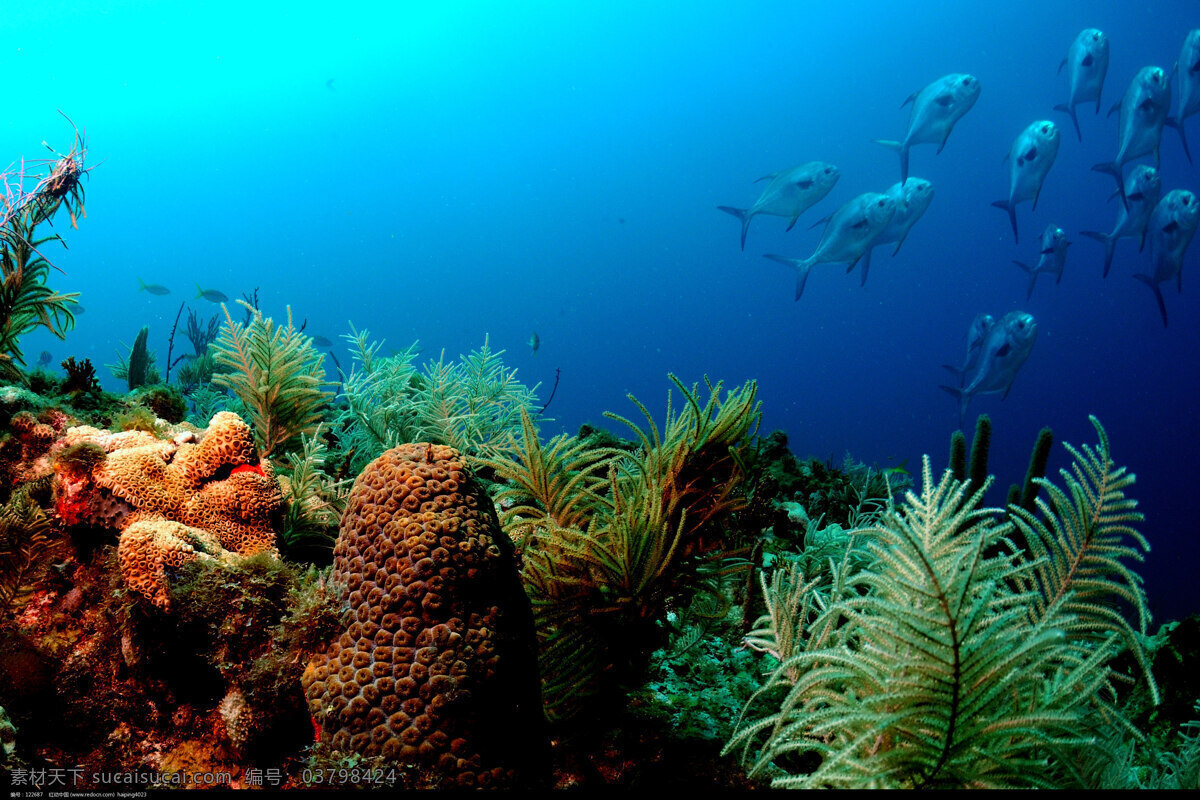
<point x="277" y="374"/>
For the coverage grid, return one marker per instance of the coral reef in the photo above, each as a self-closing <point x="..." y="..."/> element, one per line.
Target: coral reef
<point x="436" y="671"/>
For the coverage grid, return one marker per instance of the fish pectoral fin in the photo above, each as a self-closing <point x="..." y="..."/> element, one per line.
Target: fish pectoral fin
<point x="1087" y="60"/>
<point x="1061" y="64"/>
<point x="945" y="137"/>
<point x="1170" y="227"/>
<point x="944" y="100"/>
<point x="805" y="184"/>
<point x="910" y="98"/>
<point x="765" y="178"/>
<point x="1134" y="196"/>
<point x="822" y="221"/>
<point x="1030" y="154"/>
<point x="1116" y="107"/>
<point x="1003" y="350"/>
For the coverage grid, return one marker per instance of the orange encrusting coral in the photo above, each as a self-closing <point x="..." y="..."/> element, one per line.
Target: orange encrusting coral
<point x="181" y="499"/>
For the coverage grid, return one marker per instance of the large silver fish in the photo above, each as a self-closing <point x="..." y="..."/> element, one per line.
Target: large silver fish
<point x="1143" y="189"/>
<point x="935" y="110"/>
<point x="1188" y="70"/>
<point x="976" y="335"/>
<point x="789" y="194"/>
<point x="912" y="198"/>
<point x="1052" y="257"/>
<point x="1002" y="353"/>
<point x="1030" y="158"/>
<point x="848" y="234"/>
<point x="1143" y="113"/>
<point x="1169" y="232"/>
<point x="1087" y="64"/>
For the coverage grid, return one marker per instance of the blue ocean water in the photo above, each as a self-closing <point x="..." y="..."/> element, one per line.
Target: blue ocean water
<point x="454" y="170"/>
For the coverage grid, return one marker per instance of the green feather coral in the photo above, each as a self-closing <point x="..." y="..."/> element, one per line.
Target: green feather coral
<point x="276" y="372"/>
<point x="953" y="659"/>
<point x="26" y="302"/>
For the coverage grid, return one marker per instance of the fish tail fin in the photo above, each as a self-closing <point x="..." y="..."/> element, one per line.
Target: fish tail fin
<point x="1162" y="304"/>
<point x="741" y="214"/>
<point x="199" y="291"/>
<point x="962" y="397"/>
<point x="1074" y="117"/>
<point x="1012" y="216"/>
<point x="1111" y="168"/>
<point x="802" y="266"/>
<point x="1032" y="278"/>
<point x="1177" y="124"/>
<point x="900" y="148"/>
<point x="141" y="285"/>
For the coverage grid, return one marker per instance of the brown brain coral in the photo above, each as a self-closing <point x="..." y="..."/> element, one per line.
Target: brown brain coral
<point x="436" y="671"/>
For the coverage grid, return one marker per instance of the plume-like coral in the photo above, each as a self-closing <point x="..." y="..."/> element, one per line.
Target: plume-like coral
<point x="605" y="535"/>
<point x="276" y="372"/>
<point x="952" y="658"/>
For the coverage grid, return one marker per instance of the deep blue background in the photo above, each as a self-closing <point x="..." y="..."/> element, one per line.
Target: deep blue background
<point x="499" y="168"/>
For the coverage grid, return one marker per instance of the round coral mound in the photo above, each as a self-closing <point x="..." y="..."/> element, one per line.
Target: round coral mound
<point x="437" y="670"/>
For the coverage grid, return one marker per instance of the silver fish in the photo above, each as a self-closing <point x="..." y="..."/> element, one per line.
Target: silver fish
<point x="976" y="335"/>
<point x="1143" y="113"/>
<point x="1169" y="232"/>
<point x="1087" y="64"/>
<point x="1031" y="156"/>
<point x="1052" y="257"/>
<point x="789" y="194"/>
<point x="1002" y="353"/>
<point x="912" y="198"/>
<point x="534" y="343"/>
<point x="848" y="234"/>
<point x="1143" y="189"/>
<point x="1188" y="70"/>
<point x="935" y="110"/>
